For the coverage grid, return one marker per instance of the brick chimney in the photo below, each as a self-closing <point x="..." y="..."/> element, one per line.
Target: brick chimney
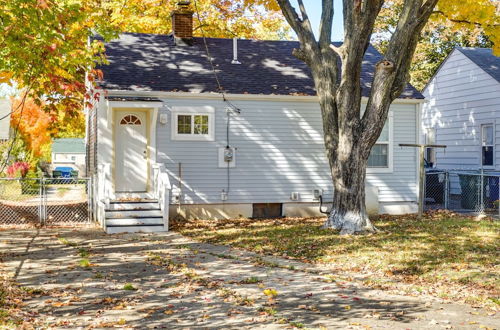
<point x="182" y="24"/>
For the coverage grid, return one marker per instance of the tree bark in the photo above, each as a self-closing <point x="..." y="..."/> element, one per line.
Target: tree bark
<point x="349" y="137"/>
<point x="348" y="214"/>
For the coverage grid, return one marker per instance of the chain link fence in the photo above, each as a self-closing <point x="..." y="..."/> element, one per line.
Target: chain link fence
<point x="45" y="201"/>
<point x="470" y="192"/>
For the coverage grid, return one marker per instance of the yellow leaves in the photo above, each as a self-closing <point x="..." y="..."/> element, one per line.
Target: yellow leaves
<point x="5" y="76"/>
<point x="270" y="292"/>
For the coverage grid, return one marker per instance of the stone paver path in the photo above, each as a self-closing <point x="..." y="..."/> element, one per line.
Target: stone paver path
<point x="82" y="277"/>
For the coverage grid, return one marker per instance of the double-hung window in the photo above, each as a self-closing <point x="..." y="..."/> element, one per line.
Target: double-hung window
<point x="487" y="145"/>
<point x="380" y="159"/>
<point x="193" y="123"/>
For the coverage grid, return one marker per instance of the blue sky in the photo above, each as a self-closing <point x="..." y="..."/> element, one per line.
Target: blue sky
<point x="313" y="8"/>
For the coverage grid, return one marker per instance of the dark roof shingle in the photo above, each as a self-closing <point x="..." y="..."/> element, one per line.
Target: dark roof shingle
<point x="483" y="58"/>
<point x="151" y="62"/>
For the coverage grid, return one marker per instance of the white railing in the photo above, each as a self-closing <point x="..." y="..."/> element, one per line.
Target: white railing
<point x="103" y="195"/>
<point x="161" y="190"/>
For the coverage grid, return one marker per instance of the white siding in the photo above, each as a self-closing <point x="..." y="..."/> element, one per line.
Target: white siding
<point x="279" y="150"/>
<point x="461" y="97"/>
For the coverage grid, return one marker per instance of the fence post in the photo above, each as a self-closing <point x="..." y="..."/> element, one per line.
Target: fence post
<point x="40" y="207"/>
<point x="446" y="190"/>
<point x="481" y="191"/>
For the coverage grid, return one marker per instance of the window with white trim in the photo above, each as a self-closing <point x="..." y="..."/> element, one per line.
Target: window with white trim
<point x="487" y="145"/>
<point x="193" y="123"/>
<point x="380" y="159"/>
<point x="379" y="155"/>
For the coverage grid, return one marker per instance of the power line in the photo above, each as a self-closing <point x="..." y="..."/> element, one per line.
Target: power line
<point x="210" y="60"/>
<point x="221" y="91"/>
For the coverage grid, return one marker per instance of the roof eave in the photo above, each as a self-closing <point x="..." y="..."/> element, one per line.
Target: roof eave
<point x="303" y="98"/>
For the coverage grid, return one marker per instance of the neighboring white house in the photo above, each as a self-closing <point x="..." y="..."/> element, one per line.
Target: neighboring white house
<point x="69" y="153"/>
<point x="5" y="109"/>
<point x="463" y="111"/>
<point x="162" y="141"/>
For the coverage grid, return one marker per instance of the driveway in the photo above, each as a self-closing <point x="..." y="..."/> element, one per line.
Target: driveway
<point x="85" y="278"/>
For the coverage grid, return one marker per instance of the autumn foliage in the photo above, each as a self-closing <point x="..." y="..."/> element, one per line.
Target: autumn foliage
<point x="33" y="124"/>
<point x="18" y="170"/>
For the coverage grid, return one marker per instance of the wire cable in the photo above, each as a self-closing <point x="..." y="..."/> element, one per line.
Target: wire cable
<point x="221" y="91"/>
<point x="210" y="59"/>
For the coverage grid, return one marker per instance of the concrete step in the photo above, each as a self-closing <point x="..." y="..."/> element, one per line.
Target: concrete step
<point x="135" y="229"/>
<point x="117" y="214"/>
<point x="139" y="205"/>
<point x="134" y="221"/>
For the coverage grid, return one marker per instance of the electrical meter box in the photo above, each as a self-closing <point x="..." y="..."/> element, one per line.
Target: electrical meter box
<point x="228" y="154"/>
<point x="227" y="157"/>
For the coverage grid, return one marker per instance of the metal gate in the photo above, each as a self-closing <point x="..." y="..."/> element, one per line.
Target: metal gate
<point x="45" y="201"/>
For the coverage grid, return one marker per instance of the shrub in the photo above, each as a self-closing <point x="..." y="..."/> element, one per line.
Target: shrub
<point x="18" y="169"/>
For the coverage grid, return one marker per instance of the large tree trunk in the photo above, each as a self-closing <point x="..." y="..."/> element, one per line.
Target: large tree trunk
<point x="348" y="213"/>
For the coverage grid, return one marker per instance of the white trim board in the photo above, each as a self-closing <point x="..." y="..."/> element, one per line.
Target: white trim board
<point x="293" y="98"/>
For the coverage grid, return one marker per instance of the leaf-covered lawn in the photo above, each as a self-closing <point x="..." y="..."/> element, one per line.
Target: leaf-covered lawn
<point x="443" y="254"/>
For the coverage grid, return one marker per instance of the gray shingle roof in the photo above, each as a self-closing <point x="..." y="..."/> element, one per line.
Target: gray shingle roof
<point x="69" y="145"/>
<point x="151" y="62"/>
<point x="484" y="58"/>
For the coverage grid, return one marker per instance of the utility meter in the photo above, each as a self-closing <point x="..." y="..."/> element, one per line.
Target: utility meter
<point x="228" y="154"/>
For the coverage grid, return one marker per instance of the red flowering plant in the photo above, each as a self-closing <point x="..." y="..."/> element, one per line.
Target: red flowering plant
<point x="18" y="170"/>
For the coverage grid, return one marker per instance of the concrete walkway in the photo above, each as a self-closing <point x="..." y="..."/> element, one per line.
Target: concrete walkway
<point x="85" y="278"/>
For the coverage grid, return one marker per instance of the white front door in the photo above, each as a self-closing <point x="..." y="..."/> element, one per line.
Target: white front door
<point x="131" y="156"/>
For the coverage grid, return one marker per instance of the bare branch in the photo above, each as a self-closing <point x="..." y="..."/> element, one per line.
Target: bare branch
<point x="291" y="15"/>
<point x="306" y="23"/>
<point x="326" y="23"/>
<point x="461" y="21"/>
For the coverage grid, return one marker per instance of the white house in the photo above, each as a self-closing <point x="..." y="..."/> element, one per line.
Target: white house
<point x="5" y="109"/>
<point x="163" y="141"/>
<point x="463" y="111"/>
<point x="69" y="152"/>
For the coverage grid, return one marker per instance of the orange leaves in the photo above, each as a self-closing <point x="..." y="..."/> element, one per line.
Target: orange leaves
<point x="33" y="123"/>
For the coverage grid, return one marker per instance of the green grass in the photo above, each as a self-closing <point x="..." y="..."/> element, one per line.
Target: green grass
<point x="129" y="287"/>
<point x="65" y="241"/>
<point x="12" y="190"/>
<point x="251" y="280"/>
<point x="83" y="252"/>
<point x="84" y="263"/>
<point x="443" y="253"/>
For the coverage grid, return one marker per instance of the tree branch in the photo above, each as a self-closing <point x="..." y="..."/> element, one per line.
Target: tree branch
<point x="291" y="15"/>
<point x="325" y="25"/>
<point x="461" y="21"/>
<point x="388" y="85"/>
<point x="306" y="23"/>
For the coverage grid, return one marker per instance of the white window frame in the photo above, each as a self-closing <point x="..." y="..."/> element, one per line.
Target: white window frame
<point x="390" y="161"/>
<point x="430" y="138"/>
<point x="193" y="111"/>
<point x="493" y="126"/>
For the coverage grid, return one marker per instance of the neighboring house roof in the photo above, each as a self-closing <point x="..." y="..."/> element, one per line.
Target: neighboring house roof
<point x="151" y="62"/>
<point x="68" y="146"/>
<point x="5" y="109"/>
<point x="483" y="58"/>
